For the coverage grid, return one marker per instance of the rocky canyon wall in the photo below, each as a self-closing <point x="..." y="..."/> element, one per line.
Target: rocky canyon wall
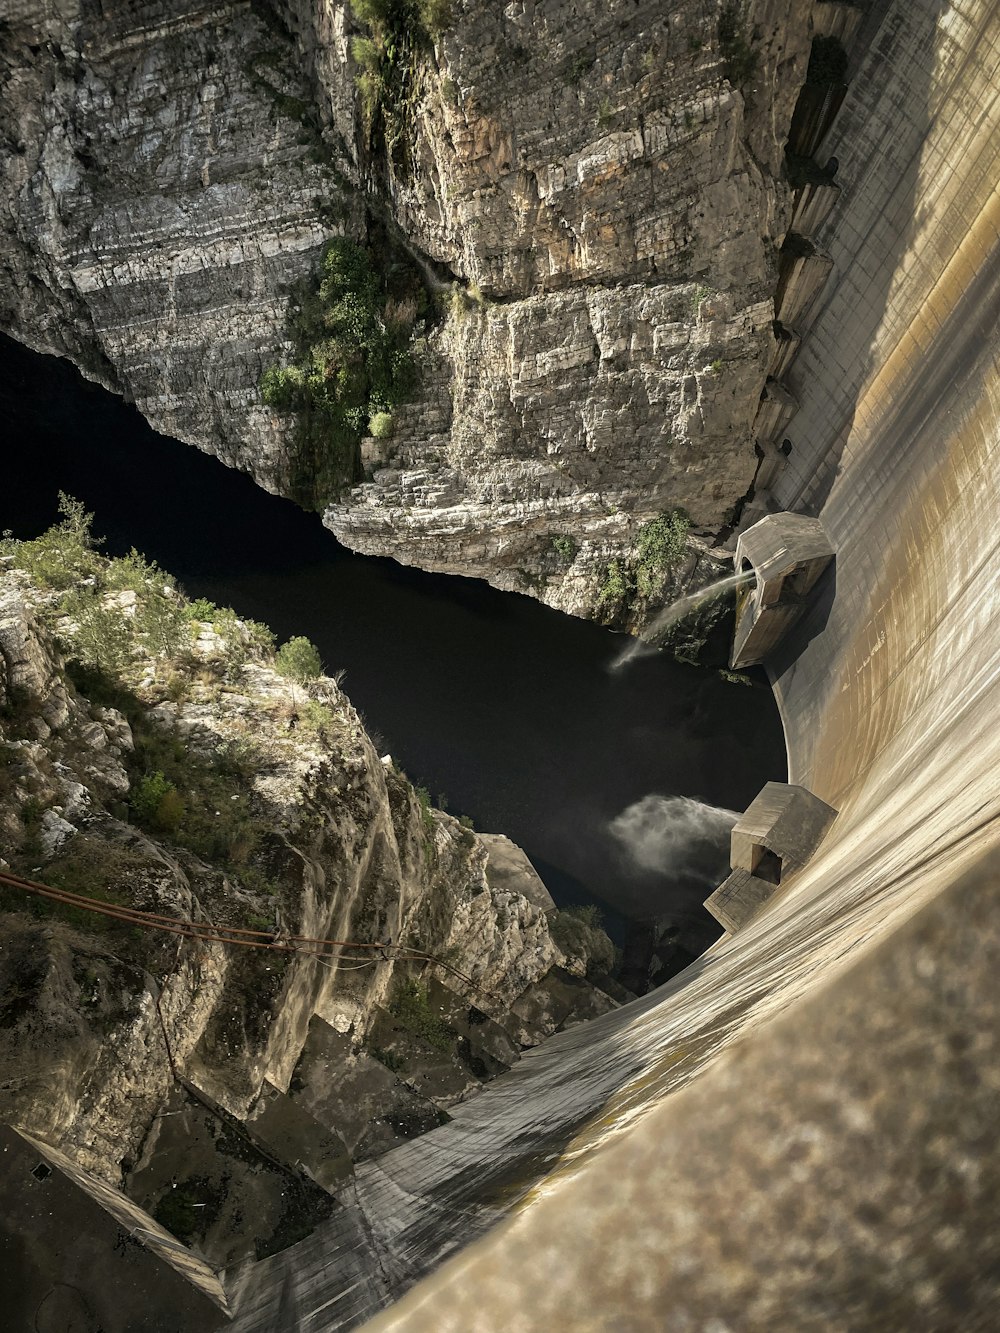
<point x="598" y="194"/>
<point x="161" y="192"/>
<point x="196" y="782"/>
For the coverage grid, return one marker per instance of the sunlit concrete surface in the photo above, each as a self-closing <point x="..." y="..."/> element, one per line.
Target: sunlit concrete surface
<point x="834" y="1163"/>
<point x="788" y="554"/>
<point x="839" y="1171"/>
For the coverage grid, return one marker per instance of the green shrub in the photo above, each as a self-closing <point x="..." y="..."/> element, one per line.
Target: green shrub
<point x="62" y="556"/>
<point x="660" y="545"/>
<point x="426" y="812"/>
<point x="615" y="586"/>
<point x="579" y="930"/>
<point x="381" y="425"/>
<point x="316" y="717"/>
<point x="351" y="330"/>
<point x="700" y="293"/>
<point x="588" y="913"/>
<point x="133" y="571"/>
<point x="164" y="624"/>
<point x="215" y="820"/>
<point x="298" y="660"/>
<point x="373" y="12"/>
<point x="365" y="53"/>
<point x="156" y="803"/>
<point x="103" y="639"/>
<point x="260" y="637"/>
<point x="280" y="387"/>
<point x="435" y="15"/>
<point x="467" y="835"/>
<point x="565" y="547"/>
<point x="370" y="90"/>
<point x="201" y="609"/>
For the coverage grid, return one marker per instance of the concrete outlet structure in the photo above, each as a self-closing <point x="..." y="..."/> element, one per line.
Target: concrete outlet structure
<point x="787" y="553"/>
<point x="777" y="835"/>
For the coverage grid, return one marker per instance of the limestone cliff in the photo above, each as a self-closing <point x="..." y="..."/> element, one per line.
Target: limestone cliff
<point x="599" y="191"/>
<point x="609" y="186"/>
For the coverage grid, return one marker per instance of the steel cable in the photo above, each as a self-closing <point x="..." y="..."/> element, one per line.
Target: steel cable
<point x="240" y="935"/>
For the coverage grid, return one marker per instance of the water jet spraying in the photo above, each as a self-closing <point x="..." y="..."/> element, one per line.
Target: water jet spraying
<point x="670" y="615"/>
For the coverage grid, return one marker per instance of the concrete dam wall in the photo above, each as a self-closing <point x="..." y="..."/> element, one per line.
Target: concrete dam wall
<point x="833" y="1163"/>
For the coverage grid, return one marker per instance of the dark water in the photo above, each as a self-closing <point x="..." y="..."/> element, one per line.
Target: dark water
<point x="504" y="707"/>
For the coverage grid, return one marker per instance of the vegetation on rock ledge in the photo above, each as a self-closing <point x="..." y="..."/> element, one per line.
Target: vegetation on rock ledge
<point x="396" y="33"/>
<point x="659" y="548"/>
<point x="351" y="330"/>
<point x="132" y="640"/>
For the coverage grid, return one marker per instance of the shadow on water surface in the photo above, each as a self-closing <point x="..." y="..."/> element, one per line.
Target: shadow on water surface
<point x="497" y="704"/>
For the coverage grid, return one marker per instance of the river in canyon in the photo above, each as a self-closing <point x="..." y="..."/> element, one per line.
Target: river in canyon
<point x="504" y="709"/>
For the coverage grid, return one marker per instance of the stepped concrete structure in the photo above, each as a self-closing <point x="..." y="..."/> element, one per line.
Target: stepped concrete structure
<point x="775" y="837"/>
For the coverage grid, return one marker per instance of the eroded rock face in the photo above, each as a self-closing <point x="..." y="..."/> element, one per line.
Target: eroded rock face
<point x="615" y="199"/>
<point x="554" y="146"/>
<point x="164" y="186"/>
<point x="99" y="1021"/>
<point x="28" y="668"/>
<point x="605" y="183"/>
<point x="578" y="414"/>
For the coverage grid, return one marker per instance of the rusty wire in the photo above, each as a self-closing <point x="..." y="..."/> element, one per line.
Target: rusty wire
<point x="304" y="945"/>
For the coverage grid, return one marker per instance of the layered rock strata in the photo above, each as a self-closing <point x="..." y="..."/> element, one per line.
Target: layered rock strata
<point x="164" y="186"/>
<point x="605" y="193"/>
<point x="613" y="197"/>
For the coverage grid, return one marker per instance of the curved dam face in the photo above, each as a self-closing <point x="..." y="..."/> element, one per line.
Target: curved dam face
<point x="833" y="1162"/>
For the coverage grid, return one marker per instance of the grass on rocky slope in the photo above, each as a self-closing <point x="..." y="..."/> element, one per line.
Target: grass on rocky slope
<point x="133" y="641"/>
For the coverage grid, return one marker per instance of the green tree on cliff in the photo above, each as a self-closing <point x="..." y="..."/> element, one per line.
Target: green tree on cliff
<point x="299" y="661"/>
